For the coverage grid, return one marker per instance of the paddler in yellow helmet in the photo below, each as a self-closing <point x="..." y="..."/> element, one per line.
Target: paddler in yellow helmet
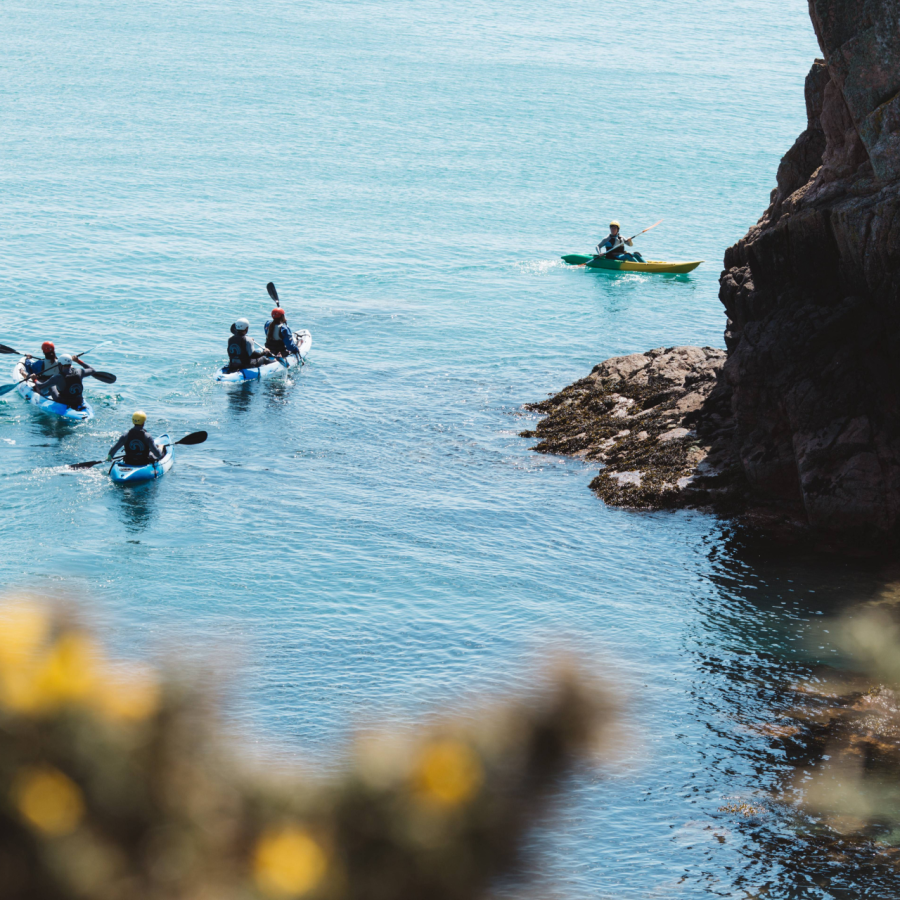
<point x="613" y="246"/>
<point x="140" y="448"/>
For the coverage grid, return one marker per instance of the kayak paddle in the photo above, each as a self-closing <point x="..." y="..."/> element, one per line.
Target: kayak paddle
<point x="105" y="377"/>
<point x="197" y="437"/>
<point x="9" y="350"/>
<point x="274" y="295"/>
<point x="645" y="230"/>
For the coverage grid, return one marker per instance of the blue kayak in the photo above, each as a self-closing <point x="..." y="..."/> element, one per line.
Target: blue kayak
<point x="122" y="474"/>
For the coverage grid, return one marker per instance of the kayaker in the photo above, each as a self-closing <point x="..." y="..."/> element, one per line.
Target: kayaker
<point x="66" y="386"/>
<point x="138" y="443"/>
<point x="243" y="353"/>
<point x="613" y="246"/>
<point x="279" y="337"/>
<point x="44" y="367"/>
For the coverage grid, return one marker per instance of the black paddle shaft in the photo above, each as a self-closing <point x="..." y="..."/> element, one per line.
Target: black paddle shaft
<point x="196" y="437"/>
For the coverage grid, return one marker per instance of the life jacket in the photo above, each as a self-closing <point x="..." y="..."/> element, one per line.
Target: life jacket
<point x="71" y="389"/>
<point x="239" y="349"/>
<point x="611" y="246"/>
<point x="48" y="368"/>
<point x="273" y="337"/>
<point x="138" y="442"/>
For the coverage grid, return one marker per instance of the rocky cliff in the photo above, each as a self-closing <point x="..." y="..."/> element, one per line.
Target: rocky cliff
<point x="812" y="294"/>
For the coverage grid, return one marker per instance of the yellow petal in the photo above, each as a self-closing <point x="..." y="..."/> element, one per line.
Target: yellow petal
<point x="449" y="773"/>
<point x="288" y="863"/>
<point x="49" y="800"/>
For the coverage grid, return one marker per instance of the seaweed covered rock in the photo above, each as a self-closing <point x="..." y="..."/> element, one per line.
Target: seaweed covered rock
<point x="640" y="416"/>
<point x="812" y="294"/>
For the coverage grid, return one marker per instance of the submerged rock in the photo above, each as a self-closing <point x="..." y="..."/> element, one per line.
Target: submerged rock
<point x="808" y="399"/>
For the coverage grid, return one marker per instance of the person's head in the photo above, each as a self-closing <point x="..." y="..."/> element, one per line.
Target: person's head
<point x="48" y="349"/>
<point x="278" y="314"/>
<point x="139" y="417"/>
<point x="614" y="227"/>
<point x="65" y="362"/>
<point x="242" y="326"/>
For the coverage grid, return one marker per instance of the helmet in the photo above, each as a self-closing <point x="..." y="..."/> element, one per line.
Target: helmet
<point x="241" y="325"/>
<point x="48" y="347"/>
<point x="278" y="313"/>
<point x="64" y="359"/>
<point x="614" y="222"/>
<point x="139" y="417"/>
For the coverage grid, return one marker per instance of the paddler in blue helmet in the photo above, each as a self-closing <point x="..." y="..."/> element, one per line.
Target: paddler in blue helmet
<point x="243" y="352"/>
<point x="613" y="246"/>
<point x="140" y="448"/>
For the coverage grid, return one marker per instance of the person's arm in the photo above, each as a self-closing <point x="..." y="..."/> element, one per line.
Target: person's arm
<point x="288" y="337"/>
<point x="86" y="370"/>
<point x="116" y="447"/>
<point x="629" y="241"/>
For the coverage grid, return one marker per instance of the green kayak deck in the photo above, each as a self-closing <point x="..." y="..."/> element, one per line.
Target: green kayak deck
<point x="616" y="265"/>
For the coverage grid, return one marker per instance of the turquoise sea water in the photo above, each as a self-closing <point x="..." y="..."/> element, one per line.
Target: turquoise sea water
<point x="369" y="539"/>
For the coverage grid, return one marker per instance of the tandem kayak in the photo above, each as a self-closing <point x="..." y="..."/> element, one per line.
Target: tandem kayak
<point x="45" y="403"/>
<point x="122" y="474"/>
<point x="617" y="265"/>
<point x="304" y="342"/>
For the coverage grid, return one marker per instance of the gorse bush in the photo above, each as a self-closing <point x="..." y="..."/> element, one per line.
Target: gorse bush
<point x="115" y="784"/>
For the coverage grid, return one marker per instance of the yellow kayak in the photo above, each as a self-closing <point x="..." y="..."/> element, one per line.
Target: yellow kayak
<point x="616" y="265"/>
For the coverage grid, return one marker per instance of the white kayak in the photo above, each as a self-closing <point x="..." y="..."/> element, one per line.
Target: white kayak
<point x="122" y="474"/>
<point x="28" y="393"/>
<point x="304" y="342"/>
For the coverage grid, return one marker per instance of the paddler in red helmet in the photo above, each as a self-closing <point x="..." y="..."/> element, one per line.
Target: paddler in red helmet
<point x="279" y="337"/>
<point x="46" y="367"/>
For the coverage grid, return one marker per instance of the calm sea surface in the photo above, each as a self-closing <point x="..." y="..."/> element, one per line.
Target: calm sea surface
<point x="369" y="539"/>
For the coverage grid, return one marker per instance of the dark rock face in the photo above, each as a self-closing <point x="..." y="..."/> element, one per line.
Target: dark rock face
<point x="812" y="292"/>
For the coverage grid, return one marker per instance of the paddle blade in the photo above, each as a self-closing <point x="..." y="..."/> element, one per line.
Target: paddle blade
<point x="85" y="465"/>
<point x="7" y="388"/>
<point x="198" y="437"/>
<point x="105" y="377"/>
<point x="5" y="349"/>
<point x="272" y="292"/>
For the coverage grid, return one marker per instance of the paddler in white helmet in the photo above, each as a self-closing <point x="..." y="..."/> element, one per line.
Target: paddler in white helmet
<point x="613" y="246"/>
<point x="140" y="448"/>
<point x="243" y="352"/>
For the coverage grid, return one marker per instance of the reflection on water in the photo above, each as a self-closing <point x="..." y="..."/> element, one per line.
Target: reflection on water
<point x="138" y="505"/>
<point x="764" y="643"/>
<point x="240" y="396"/>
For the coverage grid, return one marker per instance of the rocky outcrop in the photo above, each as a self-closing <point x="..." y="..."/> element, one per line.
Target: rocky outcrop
<point x="812" y="294"/>
<point x="639" y="416"/>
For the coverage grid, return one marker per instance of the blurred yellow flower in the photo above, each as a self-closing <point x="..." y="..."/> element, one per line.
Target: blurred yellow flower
<point x="22" y="631"/>
<point x="288" y="863"/>
<point x="69" y="672"/>
<point x="132" y="695"/>
<point x="449" y="773"/>
<point x="48" y="800"/>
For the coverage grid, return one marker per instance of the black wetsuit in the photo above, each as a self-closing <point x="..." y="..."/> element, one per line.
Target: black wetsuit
<point x="66" y="388"/>
<point x="242" y="351"/>
<point x="139" y="446"/>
